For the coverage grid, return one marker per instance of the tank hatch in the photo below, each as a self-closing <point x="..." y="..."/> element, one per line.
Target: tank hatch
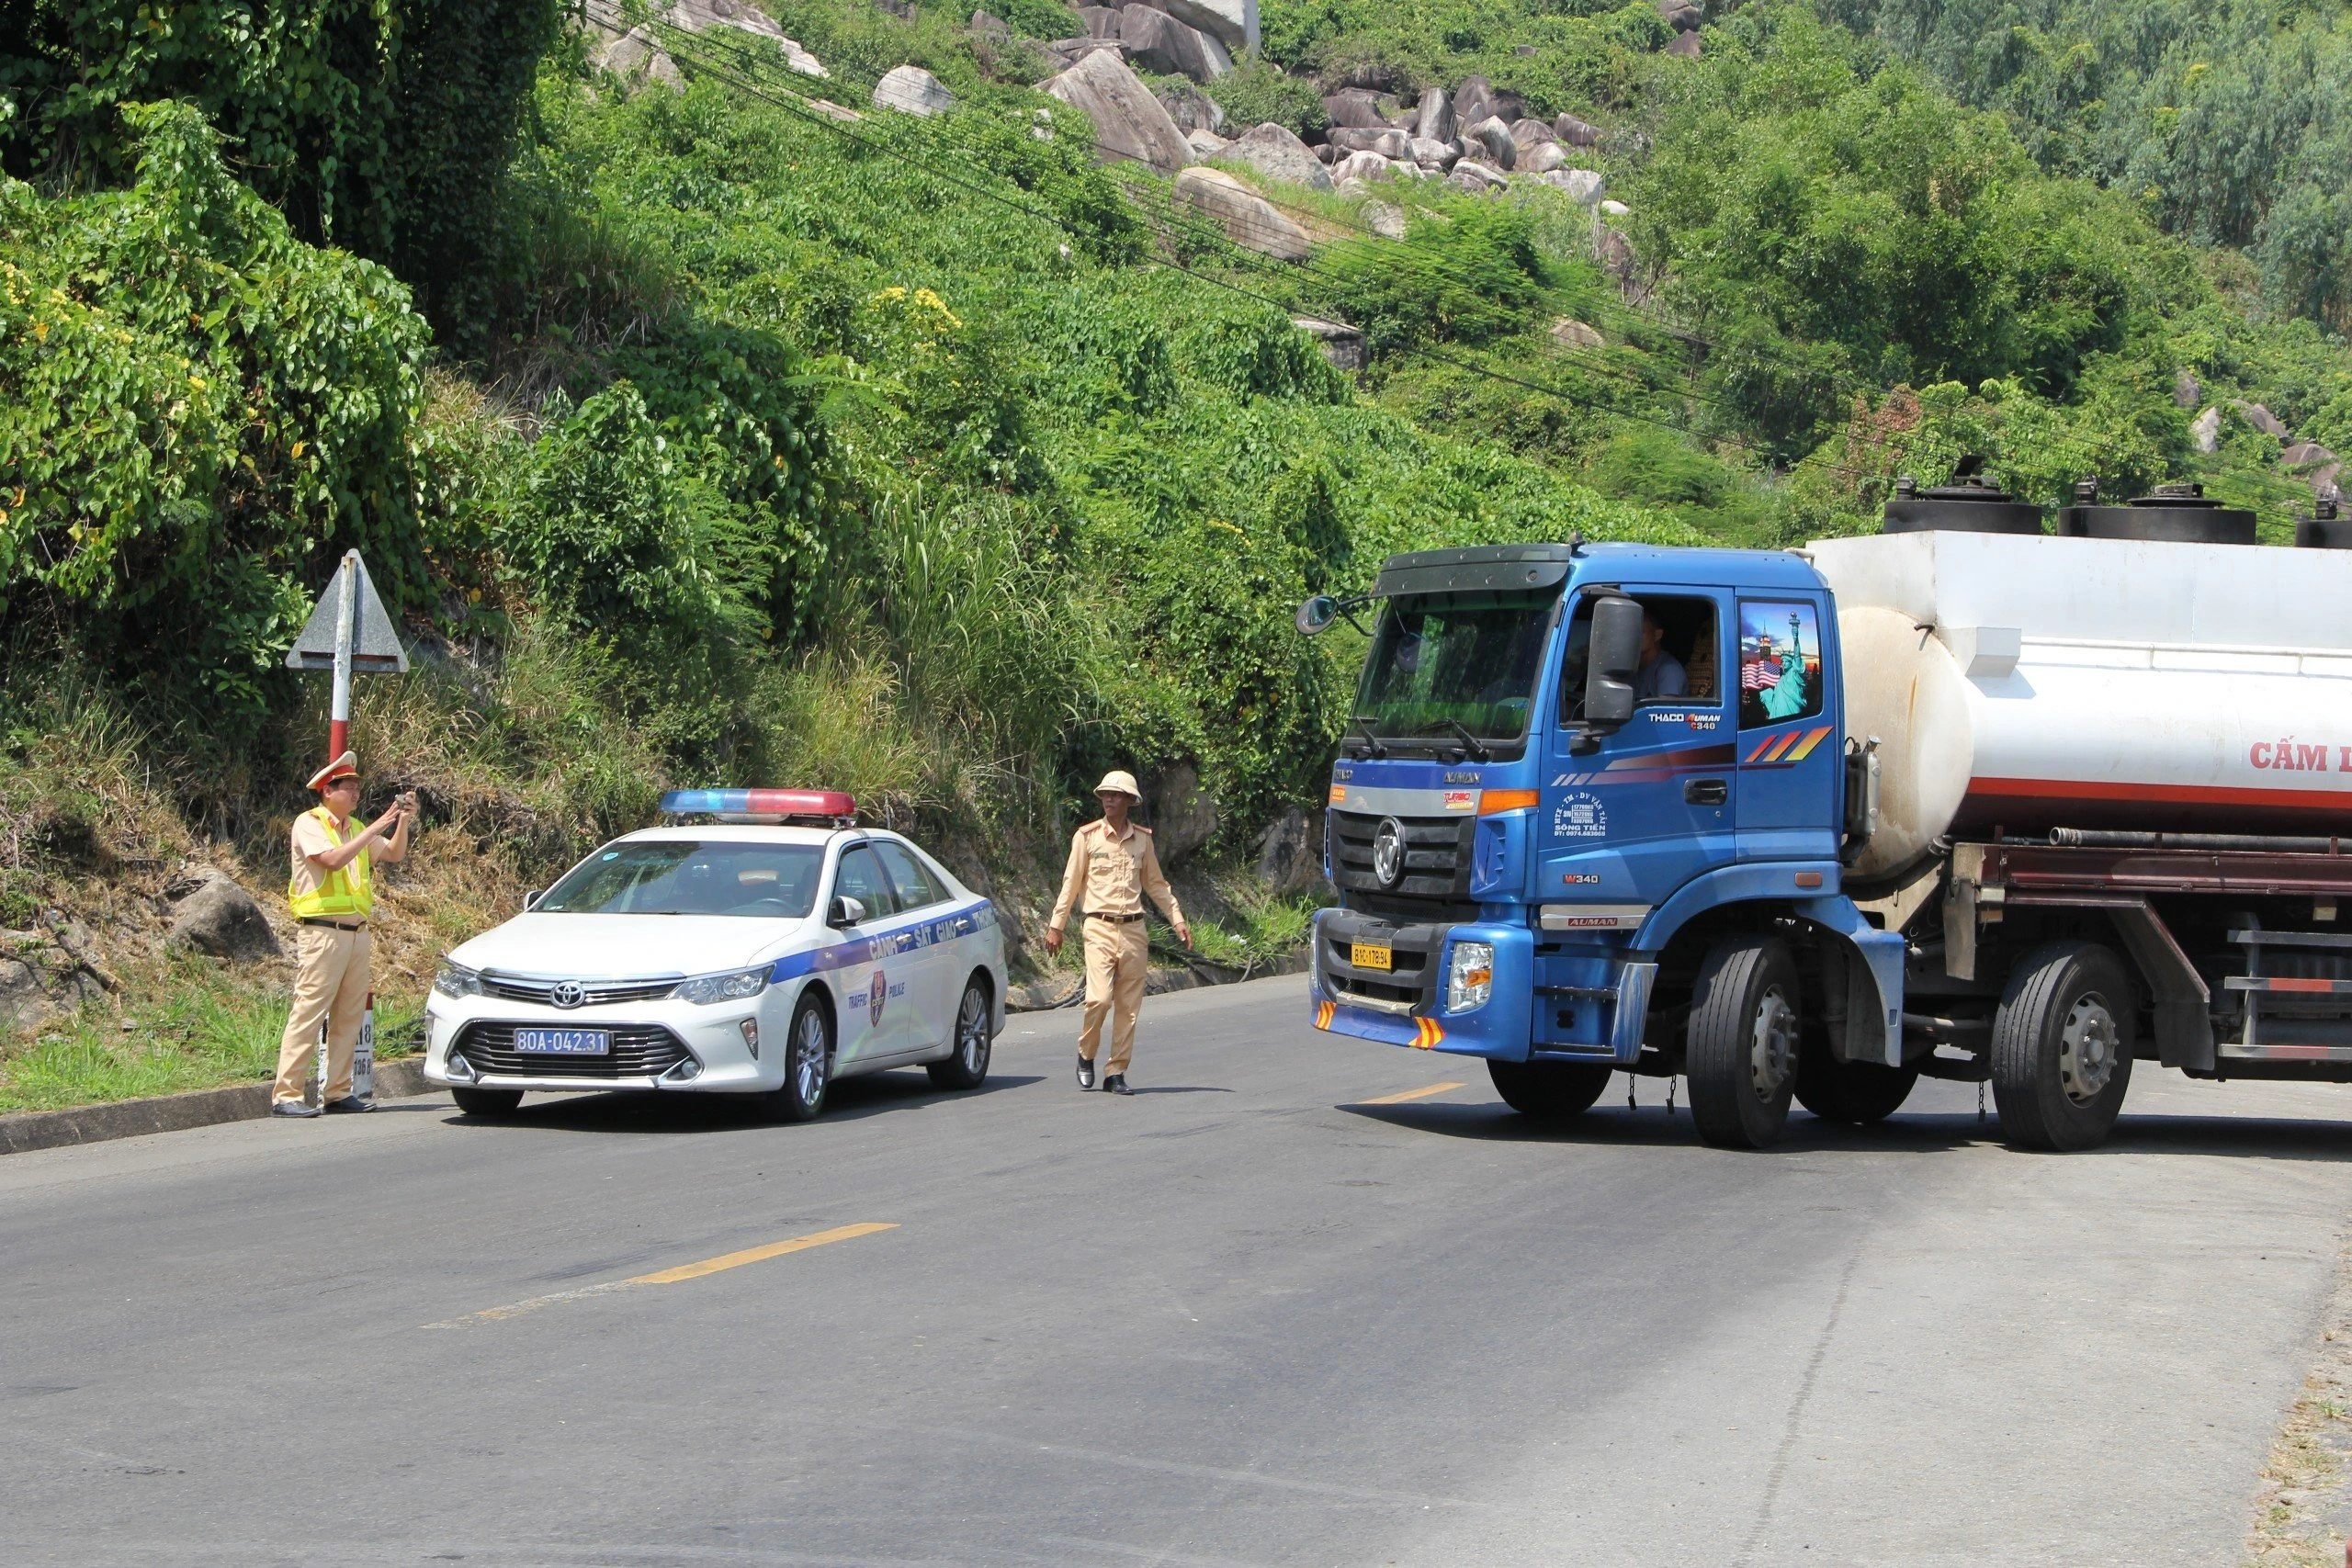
<point x="2323" y="530"/>
<point x="2176" y="514"/>
<point x="1971" y="503"/>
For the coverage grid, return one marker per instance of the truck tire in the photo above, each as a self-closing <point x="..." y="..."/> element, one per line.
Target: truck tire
<point x="1549" y="1091"/>
<point x="2061" y="1046"/>
<point x="1857" y="1093"/>
<point x="1742" y="1049"/>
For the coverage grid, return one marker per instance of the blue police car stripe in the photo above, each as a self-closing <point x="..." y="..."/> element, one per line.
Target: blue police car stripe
<point x="924" y="932"/>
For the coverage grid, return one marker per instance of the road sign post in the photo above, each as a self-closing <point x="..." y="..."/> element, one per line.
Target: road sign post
<point x="349" y="633"/>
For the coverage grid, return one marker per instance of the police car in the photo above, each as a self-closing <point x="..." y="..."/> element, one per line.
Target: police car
<point x="769" y="952"/>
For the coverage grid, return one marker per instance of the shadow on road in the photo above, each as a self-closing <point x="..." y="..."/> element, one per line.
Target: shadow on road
<point x="849" y="1100"/>
<point x="2242" y="1136"/>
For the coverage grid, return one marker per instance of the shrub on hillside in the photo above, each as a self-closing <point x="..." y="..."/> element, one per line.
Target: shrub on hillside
<point x="198" y="411"/>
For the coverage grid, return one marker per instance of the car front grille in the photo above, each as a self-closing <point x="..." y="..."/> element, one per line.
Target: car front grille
<point x="1437" y="855"/>
<point x="539" y="989"/>
<point x="639" y="1051"/>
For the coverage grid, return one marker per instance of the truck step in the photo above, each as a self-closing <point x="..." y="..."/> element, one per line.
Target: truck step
<point x="2292" y="939"/>
<point x="2276" y="1051"/>
<point x="2288" y="985"/>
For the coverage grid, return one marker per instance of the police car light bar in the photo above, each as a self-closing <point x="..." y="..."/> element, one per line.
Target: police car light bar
<point x="829" y="807"/>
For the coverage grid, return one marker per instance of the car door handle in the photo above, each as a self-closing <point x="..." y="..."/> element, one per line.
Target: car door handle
<point x="1706" y="792"/>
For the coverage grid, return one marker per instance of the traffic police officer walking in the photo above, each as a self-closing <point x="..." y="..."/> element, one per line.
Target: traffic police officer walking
<point x="333" y="894"/>
<point x="1114" y="861"/>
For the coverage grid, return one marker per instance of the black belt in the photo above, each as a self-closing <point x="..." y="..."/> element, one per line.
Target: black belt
<point x="1114" y="919"/>
<point x="330" y="925"/>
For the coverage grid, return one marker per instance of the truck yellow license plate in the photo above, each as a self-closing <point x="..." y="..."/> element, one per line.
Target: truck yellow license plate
<point x="1372" y="955"/>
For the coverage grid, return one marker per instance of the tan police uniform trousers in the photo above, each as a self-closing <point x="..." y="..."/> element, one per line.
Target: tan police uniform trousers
<point x="1118" y="955"/>
<point x="331" y="983"/>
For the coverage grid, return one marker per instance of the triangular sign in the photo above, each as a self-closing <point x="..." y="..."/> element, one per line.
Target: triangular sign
<point x="376" y="647"/>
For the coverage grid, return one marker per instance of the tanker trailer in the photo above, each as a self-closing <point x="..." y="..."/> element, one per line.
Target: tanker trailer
<point x="2109" y="768"/>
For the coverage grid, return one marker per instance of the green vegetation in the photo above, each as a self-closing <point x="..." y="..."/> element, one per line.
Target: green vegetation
<point x="699" y="436"/>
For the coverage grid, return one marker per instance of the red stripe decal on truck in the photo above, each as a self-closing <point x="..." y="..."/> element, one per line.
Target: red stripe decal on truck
<point x="2169" y="794"/>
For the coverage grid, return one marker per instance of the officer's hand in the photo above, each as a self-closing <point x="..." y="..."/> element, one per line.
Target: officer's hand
<point x="1183" y="933"/>
<point x="1053" y="941"/>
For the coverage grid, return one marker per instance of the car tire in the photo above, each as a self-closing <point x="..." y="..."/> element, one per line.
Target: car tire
<point x="967" y="1066"/>
<point x="1742" y="1049"/>
<point x="807" y="1063"/>
<point x="2062" y="1047"/>
<point x="1856" y="1093"/>
<point x="1549" y="1091"/>
<point x="487" y="1101"/>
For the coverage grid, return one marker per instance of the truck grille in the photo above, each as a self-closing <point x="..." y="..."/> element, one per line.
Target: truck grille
<point x="639" y="1051"/>
<point x="539" y="989"/>
<point x="1437" y="855"/>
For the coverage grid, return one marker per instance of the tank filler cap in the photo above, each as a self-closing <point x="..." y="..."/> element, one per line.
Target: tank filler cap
<point x="2176" y="495"/>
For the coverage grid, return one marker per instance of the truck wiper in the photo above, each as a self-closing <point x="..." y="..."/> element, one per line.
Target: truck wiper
<point x="1372" y="742"/>
<point x="1476" y="747"/>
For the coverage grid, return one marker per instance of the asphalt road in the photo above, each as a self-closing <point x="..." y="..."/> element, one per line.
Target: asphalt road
<point x="1246" y="1316"/>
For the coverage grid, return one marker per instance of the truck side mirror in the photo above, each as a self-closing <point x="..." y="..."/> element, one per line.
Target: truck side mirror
<point x="846" y="911"/>
<point x="1616" y="656"/>
<point x="1316" y="615"/>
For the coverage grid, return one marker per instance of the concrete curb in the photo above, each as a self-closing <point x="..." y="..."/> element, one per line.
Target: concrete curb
<point x="30" y="1130"/>
<point x="1044" y="996"/>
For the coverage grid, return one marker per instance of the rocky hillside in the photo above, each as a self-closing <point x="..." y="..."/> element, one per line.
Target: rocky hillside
<point x="948" y="405"/>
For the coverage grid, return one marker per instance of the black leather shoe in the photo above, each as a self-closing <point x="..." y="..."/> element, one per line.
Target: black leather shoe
<point x="1116" y="1084"/>
<point x="292" y="1108"/>
<point x="349" y="1105"/>
<point x="1085" y="1073"/>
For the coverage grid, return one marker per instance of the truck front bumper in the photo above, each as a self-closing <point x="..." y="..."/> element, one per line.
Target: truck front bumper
<point x="1411" y="1003"/>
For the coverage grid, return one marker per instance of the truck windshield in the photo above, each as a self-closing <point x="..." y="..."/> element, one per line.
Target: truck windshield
<point x="1466" y="659"/>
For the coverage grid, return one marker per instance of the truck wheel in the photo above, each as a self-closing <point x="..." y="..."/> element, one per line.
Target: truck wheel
<point x="2061" y="1046"/>
<point x="1548" y="1091"/>
<point x="1857" y="1093"/>
<point x="1741" y="1051"/>
<point x="487" y="1101"/>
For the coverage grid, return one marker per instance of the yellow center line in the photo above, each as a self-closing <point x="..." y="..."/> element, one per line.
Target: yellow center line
<point x="1421" y="1094"/>
<point x="671" y="1276"/>
<point x="757" y="1254"/>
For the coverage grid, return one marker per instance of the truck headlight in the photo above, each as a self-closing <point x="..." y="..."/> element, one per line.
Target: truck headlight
<point x="705" y="989"/>
<point x="456" y="980"/>
<point x="1469" y="976"/>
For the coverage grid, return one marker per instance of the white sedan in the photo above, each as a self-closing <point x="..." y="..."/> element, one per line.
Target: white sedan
<point x="768" y="954"/>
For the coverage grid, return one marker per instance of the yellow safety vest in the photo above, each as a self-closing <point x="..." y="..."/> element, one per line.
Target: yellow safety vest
<point x="348" y="890"/>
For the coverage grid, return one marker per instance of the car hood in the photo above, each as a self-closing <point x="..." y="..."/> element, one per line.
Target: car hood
<point x="618" y="947"/>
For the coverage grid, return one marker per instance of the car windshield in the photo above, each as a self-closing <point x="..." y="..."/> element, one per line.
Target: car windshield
<point x="670" y="876"/>
<point x="1466" y="659"/>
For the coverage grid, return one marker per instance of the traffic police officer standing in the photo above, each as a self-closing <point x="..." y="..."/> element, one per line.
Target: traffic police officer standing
<point x="333" y="894"/>
<point x="1114" y="861"/>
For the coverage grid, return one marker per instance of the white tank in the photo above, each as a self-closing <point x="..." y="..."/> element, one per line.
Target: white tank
<point x="2025" y="683"/>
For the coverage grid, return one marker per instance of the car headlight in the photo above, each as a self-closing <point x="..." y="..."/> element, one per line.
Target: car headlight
<point x="1469" y="976"/>
<point x="456" y="980"/>
<point x="705" y="989"/>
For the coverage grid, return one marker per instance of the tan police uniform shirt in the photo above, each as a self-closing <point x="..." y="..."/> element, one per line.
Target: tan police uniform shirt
<point x="310" y="839"/>
<point x="1115" y="873"/>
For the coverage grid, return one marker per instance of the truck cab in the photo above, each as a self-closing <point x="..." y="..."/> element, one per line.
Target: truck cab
<point x="1588" y="815"/>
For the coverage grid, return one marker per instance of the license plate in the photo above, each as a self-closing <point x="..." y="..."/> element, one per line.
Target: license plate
<point x="564" y="1042"/>
<point x="1372" y="955"/>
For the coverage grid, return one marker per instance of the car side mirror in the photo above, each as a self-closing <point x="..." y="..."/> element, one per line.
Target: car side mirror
<point x="531" y="899"/>
<point x="846" y="911"/>
<point x="1616" y="657"/>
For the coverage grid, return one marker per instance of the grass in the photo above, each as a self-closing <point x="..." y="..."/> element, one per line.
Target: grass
<point x="196" y="1028"/>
